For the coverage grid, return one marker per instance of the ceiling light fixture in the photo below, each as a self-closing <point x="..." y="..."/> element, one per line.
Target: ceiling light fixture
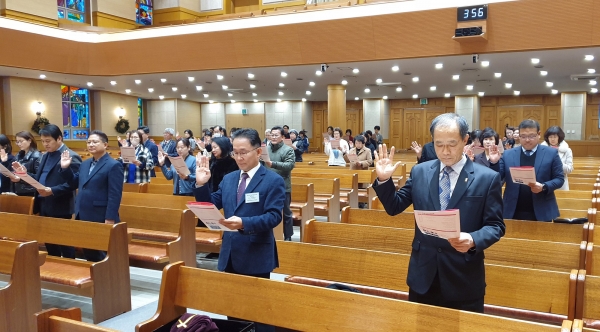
<point x="281" y="85"/>
<point x="593" y="82"/>
<point x="497" y="75"/>
<point x="252" y="86"/>
<point x="415" y="96"/>
<point x="543" y="73"/>
<point x="447" y="95"/>
<point x="399" y="89"/>
<point x="233" y="101"/>
<point x="206" y="95"/>
<point x="254" y="94"/>
<point x="113" y="83"/>
<point x="90" y="84"/>
<point x="516" y="92"/>
<point x="219" y="77"/>
<point x="554" y="91"/>
<point x="308" y="93"/>
<point x="355" y="70"/>
<point x="589" y="57"/>
<point x="211" y="101"/>
<point x="311" y="83"/>
<point x="283" y="74"/>
<point x="508" y="85"/>
<point x="433" y="88"/>
<point x="150" y="90"/>
<point x="161" y="97"/>
<point x="415" y="79"/>
<point x="174" y="88"/>
<point x="367" y="90"/>
<point x="256" y="100"/>
<point x="549" y="84"/>
<point x="303" y="99"/>
<point x="198" y="87"/>
<point x="280" y="93"/>
<point x="42" y="76"/>
<point x="230" y="95"/>
<point x="535" y="61"/>
<point x="127" y="91"/>
<point x="384" y="97"/>
<point x="439" y="65"/>
<point x="191" y="79"/>
<point x="591" y="71"/>
<point x="480" y="93"/>
<point x="379" y="80"/>
<point x="183" y="96"/>
<point x="318" y="73"/>
<point x="279" y="100"/>
<point x="594" y="90"/>
<point x="138" y="81"/>
<point x="469" y="87"/>
<point x="485" y="63"/>
<point x="395" y="68"/>
<point x="455" y="77"/>
<point x="344" y="82"/>
<point x="250" y="75"/>
<point x="356" y="98"/>
<point x="225" y="87"/>
<point x="163" y="80"/>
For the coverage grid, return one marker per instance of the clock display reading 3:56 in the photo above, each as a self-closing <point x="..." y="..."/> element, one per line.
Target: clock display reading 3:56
<point x="472" y="13"/>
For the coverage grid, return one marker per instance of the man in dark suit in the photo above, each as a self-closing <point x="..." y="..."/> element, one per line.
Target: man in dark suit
<point x="169" y="145"/>
<point x="535" y="201"/>
<point x="144" y="132"/>
<point x="57" y="199"/>
<point x="424" y="153"/>
<point x="448" y="273"/>
<point x="100" y="183"/>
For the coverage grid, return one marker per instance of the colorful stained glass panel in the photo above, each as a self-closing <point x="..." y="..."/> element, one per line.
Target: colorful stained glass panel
<point x="61" y="13"/>
<point x="144" y="14"/>
<point x="78" y="5"/>
<point x="77" y="17"/>
<point x="60" y="3"/>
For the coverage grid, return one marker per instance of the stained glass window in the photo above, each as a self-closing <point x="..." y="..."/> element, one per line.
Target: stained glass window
<point x="140" y="112"/>
<point x="76" y="112"/>
<point x="73" y="10"/>
<point x="143" y="12"/>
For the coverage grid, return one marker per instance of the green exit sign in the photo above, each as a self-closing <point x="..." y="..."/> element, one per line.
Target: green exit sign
<point x="424" y="101"/>
<point x="244" y="111"/>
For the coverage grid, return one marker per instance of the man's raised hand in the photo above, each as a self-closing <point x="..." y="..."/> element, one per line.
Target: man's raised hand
<point x="202" y="171"/>
<point x="384" y="163"/>
<point x="65" y="159"/>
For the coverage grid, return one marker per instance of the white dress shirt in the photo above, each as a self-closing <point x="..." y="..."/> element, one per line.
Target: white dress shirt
<point x="457" y="168"/>
<point x="250" y="175"/>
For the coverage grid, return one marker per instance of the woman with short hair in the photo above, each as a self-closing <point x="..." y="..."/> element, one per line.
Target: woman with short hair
<point x="555" y="138"/>
<point x="29" y="157"/>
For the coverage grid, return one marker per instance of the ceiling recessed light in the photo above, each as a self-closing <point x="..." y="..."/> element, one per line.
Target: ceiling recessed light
<point x="589" y="57"/>
<point x="198" y="87"/>
<point x="415" y="79"/>
<point x="42" y="76"/>
<point x="250" y="75"/>
<point x="481" y="93"/>
<point x="90" y="84"/>
<point x="308" y="93"/>
<point x="497" y="75"/>
<point x="163" y="80"/>
<point x="455" y="77"/>
<point x="281" y="85"/>
<point x="191" y="79"/>
<point x="127" y="91"/>
<point x="395" y="68"/>
<point x="150" y="90"/>
<point x="113" y="83"/>
<point x="303" y="99"/>
<point x="591" y="71"/>
<point x="174" y="88"/>
<point x="508" y="85"/>
<point x="183" y="96"/>
<point x="469" y="87"/>
<point x="447" y="95"/>
<point x="439" y="65"/>
<point x="211" y="101"/>
<point x="311" y="83"/>
<point x="225" y="87"/>
<point x="283" y="74"/>
<point x="279" y="100"/>
<point x="318" y="73"/>
<point x="535" y="61"/>
<point x="543" y="73"/>
<point x="554" y="91"/>
<point x="355" y="98"/>
<point x="206" y="95"/>
<point x="233" y="101"/>
<point x="367" y="90"/>
<point x="399" y="89"/>
<point x="138" y="81"/>
<point x="280" y="93"/>
<point x="161" y="97"/>
<point x="379" y="80"/>
<point x="256" y="100"/>
<point x="384" y="97"/>
<point x="230" y="95"/>
<point x="549" y="84"/>
<point x="219" y="77"/>
<point x="485" y="63"/>
<point x="432" y="88"/>
<point x="254" y="94"/>
<point x="355" y="70"/>
<point x="593" y="82"/>
<point x="344" y="82"/>
<point x="516" y="92"/>
<point x="594" y="90"/>
<point x="415" y="96"/>
<point x="252" y="86"/>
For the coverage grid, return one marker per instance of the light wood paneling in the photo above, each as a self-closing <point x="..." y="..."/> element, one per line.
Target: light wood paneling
<point x="28" y="17"/>
<point x="396" y="127"/>
<point x="256" y="121"/>
<point x="110" y="21"/>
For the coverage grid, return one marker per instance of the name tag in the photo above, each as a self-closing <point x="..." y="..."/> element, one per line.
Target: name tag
<point x="252" y="198"/>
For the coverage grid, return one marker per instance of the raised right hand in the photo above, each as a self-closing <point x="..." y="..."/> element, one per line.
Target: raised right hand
<point x="494" y="154"/>
<point x="3" y="155"/>
<point x="65" y="159"/>
<point x="417" y="148"/>
<point x="161" y="158"/>
<point x="202" y="171"/>
<point x="384" y="163"/>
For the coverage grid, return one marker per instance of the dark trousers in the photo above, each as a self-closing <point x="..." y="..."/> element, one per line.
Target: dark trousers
<point x="434" y="297"/>
<point x="288" y="222"/>
<point x="259" y="327"/>
<point x="57" y="249"/>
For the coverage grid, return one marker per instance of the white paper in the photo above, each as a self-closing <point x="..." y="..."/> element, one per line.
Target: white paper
<point x="25" y="177"/>
<point x="180" y="165"/>
<point x="128" y="154"/>
<point x="209" y="215"/>
<point x="443" y="224"/>
<point x="288" y="142"/>
<point x="264" y="154"/>
<point x="4" y="171"/>
<point x="335" y="143"/>
<point x="523" y="175"/>
<point x="352" y="157"/>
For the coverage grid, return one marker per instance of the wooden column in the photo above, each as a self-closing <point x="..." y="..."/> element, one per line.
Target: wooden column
<point x="336" y="105"/>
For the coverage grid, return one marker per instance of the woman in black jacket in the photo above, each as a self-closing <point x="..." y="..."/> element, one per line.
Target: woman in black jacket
<point x="221" y="162"/>
<point x="6" y="158"/>
<point x="29" y="156"/>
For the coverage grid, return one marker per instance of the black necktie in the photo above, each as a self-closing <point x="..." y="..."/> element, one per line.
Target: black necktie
<point x="528" y="153"/>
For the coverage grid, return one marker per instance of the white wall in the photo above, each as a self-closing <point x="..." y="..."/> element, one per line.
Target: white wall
<point x="468" y="107"/>
<point x="213" y="115"/>
<point x="188" y="117"/>
<point x="573" y="115"/>
<point x="106" y="105"/>
<point x="43" y="8"/>
<point x="161" y="115"/>
<point x="252" y="108"/>
<point x="372" y="114"/>
<point x="120" y="8"/>
<point x="284" y="113"/>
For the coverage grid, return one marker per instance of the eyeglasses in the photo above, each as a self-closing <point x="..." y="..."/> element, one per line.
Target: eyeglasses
<point x="93" y="142"/>
<point x="240" y="154"/>
<point x="529" y="138"/>
<point x="275" y="136"/>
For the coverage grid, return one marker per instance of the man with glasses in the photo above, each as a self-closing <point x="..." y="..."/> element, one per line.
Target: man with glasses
<point x="533" y="201"/>
<point x="283" y="160"/>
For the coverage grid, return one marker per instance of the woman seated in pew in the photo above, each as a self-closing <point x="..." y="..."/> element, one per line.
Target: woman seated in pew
<point x="555" y="138"/>
<point x="221" y="162"/>
<point x="7" y="159"/>
<point x="29" y="156"/>
<point x="183" y="185"/>
<point x="362" y="153"/>
<point x="138" y="171"/>
<point x="336" y="155"/>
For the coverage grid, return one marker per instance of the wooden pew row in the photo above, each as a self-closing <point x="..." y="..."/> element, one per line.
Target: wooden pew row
<point x="107" y="282"/>
<point x="16" y="204"/>
<point x="348" y="185"/>
<point x="365" y="179"/>
<point x="22" y="297"/>
<point x="329" y="192"/>
<point x="159" y="235"/>
<point x="519" y="293"/>
<point x="541" y="231"/>
<point x="587" y="312"/>
<point x="303" y="196"/>
<point x="67" y="320"/>
<point x="323" y="309"/>
<point x="533" y="254"/>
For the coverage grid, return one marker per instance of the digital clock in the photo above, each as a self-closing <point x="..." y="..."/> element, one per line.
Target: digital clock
<point x="472" y="13"/>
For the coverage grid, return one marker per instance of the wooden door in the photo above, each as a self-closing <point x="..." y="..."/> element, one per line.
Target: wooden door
<point x="352" y="122"/>
<point x="535" y="113"/>
<point x="553" y="115"/>
<point x="413" y="126"/>
<point x="487" y="118"/>
<point x="319" y="127"/>
<point x="591" y="123"/>
<point x="508" y="115"/>
<point x="396" y="128"/>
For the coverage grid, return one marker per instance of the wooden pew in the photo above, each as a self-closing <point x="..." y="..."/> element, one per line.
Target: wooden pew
<point x="348" y="185"/>
<point x="587" y="308"/>
<point x="135" y="187"/>
<point x="510" y="291"/>
<point x="329" y="207"/>
<point x="162" y="189"/>
<point x="67" y="320"/>
<point x="159" y="235"/>
<point x="22" y="297"/>
<point x="303" y="196"/>
<point x="16" y="204"/>
<point x="323" y="309"/>
<point x="106" y="283"/>
<point x="365" y="179"/>
<point x="555" y="256"/>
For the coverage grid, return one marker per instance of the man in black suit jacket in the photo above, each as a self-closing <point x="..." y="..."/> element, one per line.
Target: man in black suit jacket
<point x="57" y="199"/>
<point x="448" y="273"/>
<point x="424" y="153"/>
<point x="100" y="183"/>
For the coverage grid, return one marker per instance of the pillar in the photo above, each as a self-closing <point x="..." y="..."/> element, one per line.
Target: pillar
<point x="336" y="105"/>
<point x="573" y="111"/>
<point x="468" y="107"/>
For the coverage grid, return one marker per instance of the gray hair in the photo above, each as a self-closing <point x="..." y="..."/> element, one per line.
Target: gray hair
<point x="170" y="131"/>
<point x="446" y="120"/>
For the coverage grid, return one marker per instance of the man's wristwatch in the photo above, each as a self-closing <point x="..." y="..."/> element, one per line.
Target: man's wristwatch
<point x="544" y="187"/>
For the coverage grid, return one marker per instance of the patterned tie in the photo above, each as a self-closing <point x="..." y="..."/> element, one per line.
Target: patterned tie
<point x="242" y="187"/>
<point x="94" y="161"/>
<point x="445" y="188"/>
<point x="528" y="153"/>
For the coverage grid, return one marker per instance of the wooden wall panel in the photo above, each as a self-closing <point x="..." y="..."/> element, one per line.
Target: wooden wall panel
<point x="553" y="115"/>
<point x="256" y="121"/>
<point x="396" y="128"/>
<point x="591" y="123"/>
<point x="487" y="117"/>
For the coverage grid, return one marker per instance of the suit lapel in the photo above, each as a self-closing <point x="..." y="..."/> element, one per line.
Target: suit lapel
<point x="433" y="176"/>
<point x="99" y="164"/>
<point x="462" y="184"/>
<point x="539" y="158"/>
<point x="252" y="185"/>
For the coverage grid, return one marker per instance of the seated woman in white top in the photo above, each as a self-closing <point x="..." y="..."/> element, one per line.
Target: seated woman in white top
<point x="555" y="137"/>
<point x="336" y="155"/>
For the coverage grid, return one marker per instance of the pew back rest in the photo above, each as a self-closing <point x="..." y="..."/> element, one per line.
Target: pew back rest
<point x="132" y="187"/>
<point x="364" y="176"/>
<point x="321" y="186"/>
<point x="156" y="200"/>
<point x="67" y="320"/>
<point x="154" y="218"/>
<point x="16" y="204"/>
<point x="589" y="292"/>
<point x="161" y="189"/>
<point x="346" y="180"/>
<point x="303" y="192"/>
<point x="7" y="255"/>
<point x="377" y="218"/>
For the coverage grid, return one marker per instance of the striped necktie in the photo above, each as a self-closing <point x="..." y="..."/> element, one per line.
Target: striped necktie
<point x="445" y="188"/>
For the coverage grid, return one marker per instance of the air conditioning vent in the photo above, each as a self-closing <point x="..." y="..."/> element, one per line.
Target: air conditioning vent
<point x="251" y="81"/>
<point x="482" y="81"/>
<point x="345" y="68"/>
<point x="470" y="70"/>
<point x="584" y="77"/>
